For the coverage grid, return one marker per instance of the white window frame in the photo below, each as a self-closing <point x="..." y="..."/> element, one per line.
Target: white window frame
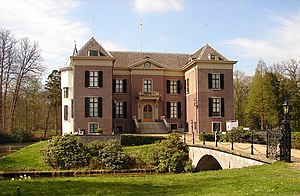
<point x="93" y="79"/>
<point x="216" y="107"/>
<point x="66" y="92"/>
<point x="147" y="90"/>
<point x="89" y="127"/>
<point x="173" y="110"/>
<point x="216" y="122"/>
<point x="119" y="85"/>
<point x="93" y="107"/>
<point x="215" y="81"/>
<point x="173" y="86"/>
<point x="119" y="109"/>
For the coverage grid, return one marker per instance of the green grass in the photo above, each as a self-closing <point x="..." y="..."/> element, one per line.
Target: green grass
<point x="276" y="179"/>
<point x="26" y="159"/>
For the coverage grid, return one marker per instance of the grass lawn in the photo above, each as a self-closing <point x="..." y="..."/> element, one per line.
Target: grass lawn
<point x="29" y="158"/>
<point x="276" y="179"/>
<point x="26" y="159"/>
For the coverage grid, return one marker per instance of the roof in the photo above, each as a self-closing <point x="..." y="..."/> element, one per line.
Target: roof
<point x="125" y="58"/>
<point x="92" y="44"/>
<point x="208" y="53"/>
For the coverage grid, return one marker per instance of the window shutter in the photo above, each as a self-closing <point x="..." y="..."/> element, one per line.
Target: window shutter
<point x="99" y="106"/>
<point x="168" y="110"/>
<point x="179" y="110"/>
<point x="87" y="78"/>
<point x="125" y="109"/>
<point x="222" y="107"/>
<point x="178" y="87"/>
<point x="87" y="107"/>
<point x="114" y="85"/>
<point x="222" y="81"/>
<point x="209" y="80"/>
<point x="124" y="86"/>
<point x="100" y="78"/>
<point x="114" y="110"/>
<point x="72" y="108"/>
<point x="168" y="86"/>
<point x="210" y="107"/>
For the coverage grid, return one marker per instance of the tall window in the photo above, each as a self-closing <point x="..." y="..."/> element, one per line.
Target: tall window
<point x="216" y="107"/>
<point x="93" y="106"/>
<point x="173" y="86"/>
<point x="66" y="92"/>
<point x="216" y="81"/>
<point x="93" y="78"/>
<point x="66" y="112"/>
<point x="119" y="86"/>
<point x="147" y="85"/>
<point x="187" y="85"/>
<point x="93" y="127"/>
<point x="119" y="110"/>
<point x="173" y="110"/>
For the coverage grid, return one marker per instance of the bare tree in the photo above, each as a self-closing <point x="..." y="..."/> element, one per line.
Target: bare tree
<point x="7" y="57"/>
<point x="28" y="63"/>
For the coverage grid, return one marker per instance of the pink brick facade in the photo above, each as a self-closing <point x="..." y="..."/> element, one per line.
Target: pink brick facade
<point x="147" y="86"/>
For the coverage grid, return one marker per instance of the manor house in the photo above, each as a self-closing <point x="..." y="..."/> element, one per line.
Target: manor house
<point x="146" y="92"/>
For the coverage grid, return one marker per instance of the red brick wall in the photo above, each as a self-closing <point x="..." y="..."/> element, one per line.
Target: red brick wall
<point x="80" y="92"/>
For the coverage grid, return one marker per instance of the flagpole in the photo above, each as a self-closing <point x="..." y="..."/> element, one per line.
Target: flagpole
<point x="141" y="26"/>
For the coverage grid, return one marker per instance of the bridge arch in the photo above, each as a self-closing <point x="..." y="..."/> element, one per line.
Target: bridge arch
<point x="208" y="162"/>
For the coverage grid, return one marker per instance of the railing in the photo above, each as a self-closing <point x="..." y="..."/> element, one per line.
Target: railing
<point x="137" y="124"/>
<point x="148" y="94"/>
<point x="163" y="118"/>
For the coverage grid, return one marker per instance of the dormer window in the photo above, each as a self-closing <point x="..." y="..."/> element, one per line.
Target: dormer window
<point x="93" y="53"/>
<point x="211" y="56"/>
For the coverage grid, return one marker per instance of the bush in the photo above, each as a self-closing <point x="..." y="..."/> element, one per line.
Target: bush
<point x="66" y="152"/>
<point x="207" y="136"/>
<point x="296" y="140"/>
<point x="138" y="140"/>
<point x="4" y="137"/>
<point x="20" y="135"/>
<point x="171" y="155"/>
<point x="109" y="155"/>
<point x="244" y="136"/>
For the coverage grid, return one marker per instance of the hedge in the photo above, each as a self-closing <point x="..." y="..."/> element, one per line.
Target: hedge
<point x="296" y="140"/>
<point x="138" y="140"/>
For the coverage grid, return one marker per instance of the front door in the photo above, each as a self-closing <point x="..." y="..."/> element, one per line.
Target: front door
<point x="147" y="113"/>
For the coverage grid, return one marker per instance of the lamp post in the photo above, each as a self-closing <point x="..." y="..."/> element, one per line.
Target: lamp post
<point x="285" y="142"/>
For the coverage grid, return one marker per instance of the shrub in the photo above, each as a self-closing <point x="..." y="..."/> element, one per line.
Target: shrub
<point x="244" y="136"/>
<point x="20" y="135"/>
<point x="109" y="155"/>
<point x="138" y="140"/>
<point x="171" y="155"/>
<point x="296" y="140"/>
<point x="65" y="152"/>
<point x="4" y="137"/>
<point x="207" y="136"/>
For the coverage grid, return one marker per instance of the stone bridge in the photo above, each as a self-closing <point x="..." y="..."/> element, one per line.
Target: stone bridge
<point x="206" y="158"/>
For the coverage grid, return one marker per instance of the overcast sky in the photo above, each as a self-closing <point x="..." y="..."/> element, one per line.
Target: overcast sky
<point x="242" y="30"/>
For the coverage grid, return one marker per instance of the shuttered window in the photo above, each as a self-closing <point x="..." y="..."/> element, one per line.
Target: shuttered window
<point x="93" y="79"/>
<point x="216" y="107"/>
<point x="215" y="81"/>
<point x="93" y="107"/>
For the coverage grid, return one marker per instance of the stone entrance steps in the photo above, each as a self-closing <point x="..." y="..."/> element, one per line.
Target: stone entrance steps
<point x="152" y="127"/>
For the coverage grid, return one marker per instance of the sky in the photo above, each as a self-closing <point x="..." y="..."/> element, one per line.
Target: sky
<point x="241" y="30"/>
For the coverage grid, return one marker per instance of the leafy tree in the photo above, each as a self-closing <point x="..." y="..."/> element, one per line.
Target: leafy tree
<point x="53" y="91"/>
<point x="262" y="103"/>
<point x="241" y="87"/>
<point x="171" y="155"/>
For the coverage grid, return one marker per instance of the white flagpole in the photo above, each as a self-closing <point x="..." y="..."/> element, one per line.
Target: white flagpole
<point x="141" y="26"/>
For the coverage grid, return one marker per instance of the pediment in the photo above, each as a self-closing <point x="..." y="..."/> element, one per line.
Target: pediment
<point x="92" y="44"/>
<point x="147" y="64"/>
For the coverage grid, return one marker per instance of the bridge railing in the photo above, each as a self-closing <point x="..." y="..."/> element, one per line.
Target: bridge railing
<point x="251" y="149"/>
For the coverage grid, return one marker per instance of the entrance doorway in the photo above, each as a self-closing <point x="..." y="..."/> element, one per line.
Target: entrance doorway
<point x="147" y="113"/>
